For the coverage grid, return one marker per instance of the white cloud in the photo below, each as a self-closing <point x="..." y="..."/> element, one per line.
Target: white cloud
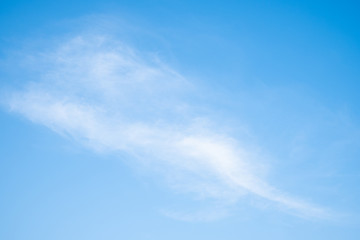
<point x="111" y="98"/>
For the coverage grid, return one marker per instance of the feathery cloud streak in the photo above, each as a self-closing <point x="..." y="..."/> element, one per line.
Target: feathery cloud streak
<point x="109" y="97"/>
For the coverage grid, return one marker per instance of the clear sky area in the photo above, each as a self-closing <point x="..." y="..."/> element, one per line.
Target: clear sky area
<point x="158" y="120"/>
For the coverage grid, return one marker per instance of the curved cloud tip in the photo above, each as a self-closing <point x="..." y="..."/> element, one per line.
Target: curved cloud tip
<point x="110" y="97"/>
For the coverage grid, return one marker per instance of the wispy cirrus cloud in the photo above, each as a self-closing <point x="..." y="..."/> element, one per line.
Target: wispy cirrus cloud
<point x="110" y="97"/>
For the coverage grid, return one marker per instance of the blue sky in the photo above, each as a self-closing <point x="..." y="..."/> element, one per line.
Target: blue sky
<point x="179" y="120"/>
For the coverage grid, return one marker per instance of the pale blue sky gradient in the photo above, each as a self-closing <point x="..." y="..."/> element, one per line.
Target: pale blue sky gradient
<point x="179" y="120"/>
